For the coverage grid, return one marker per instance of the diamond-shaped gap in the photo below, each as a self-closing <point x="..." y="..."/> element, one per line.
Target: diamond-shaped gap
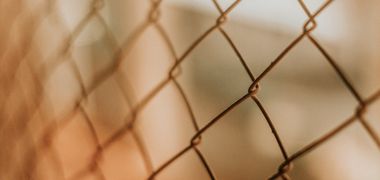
<point x="187" y="167"/>
<point x="263" y="17"/>
<point x="363" y="37"/>
<point x="258" y="43"/>
<point x="336" y="24"/>
<point x="351" y="45"/>
<point x="123" y="160"/>
<point x="93" y="59"/>
<point x="351" y="151"/>
<point x="62" y="88"/>
<point x="72" y="12"/>
<point x="51" y="34"/>
<point x="147" y="63"/>
<point x="305" y="97"/>
<point x="353" y="33"/>
<point x="185" y="21"/>
<point x="92" y="49"/>
<point x="75" y="145"/>
<point x="339" y="33"/>
<point x="265" y="151"/>
<point x="123" y="17"/>
<point x="227" y="145"/>
<point x="108" y="109"/>
<point x="165" y="125"/>
<point x="210" y="76"/>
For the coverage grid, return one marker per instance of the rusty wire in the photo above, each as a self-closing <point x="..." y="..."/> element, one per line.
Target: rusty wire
<point x="120" y="54"/>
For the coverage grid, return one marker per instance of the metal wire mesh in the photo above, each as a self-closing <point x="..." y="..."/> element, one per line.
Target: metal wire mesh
<point x="18" y="57"/>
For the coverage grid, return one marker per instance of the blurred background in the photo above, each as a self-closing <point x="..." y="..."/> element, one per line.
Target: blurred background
<point x="303" y="94"/>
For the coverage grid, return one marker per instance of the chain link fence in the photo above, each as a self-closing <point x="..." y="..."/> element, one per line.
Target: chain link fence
<point x="32" y="118"/>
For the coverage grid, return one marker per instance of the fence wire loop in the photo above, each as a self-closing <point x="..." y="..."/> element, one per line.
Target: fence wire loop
<point x="254" y="89"/>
